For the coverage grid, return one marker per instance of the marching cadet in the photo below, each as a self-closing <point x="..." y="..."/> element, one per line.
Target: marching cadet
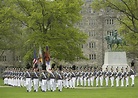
<point x="44" y="78"/>
<point x="81" y="77"/>
<point x="85" y="77"/>
<point x="106" y="76"/>
<point x="5" y="76"/>
<point x="52" y="81"/>
<point x="19" y="77"/>
<point x="112" y="77"/>
<point x="22" y="78"/>
<point x="78" y="77"/>
<point x="117" y="77"/>
<point x="89" y="77"/>
<point x="93" y="76"/>
<point x="66" y="76"/>
<point x="28" y="80"/>
<point x="122" y="77"/>
<point x="10" y="76"/>
<point x="59" y="77"/>
<point x="101" y="77"/>
<point x="70" y="78"/>
<point x="73" y="78"/>
<point x="35" y="76"/>
<point x="127" y="77"/>
<point x="97" y="77"/>
<point x="132" y="75"/>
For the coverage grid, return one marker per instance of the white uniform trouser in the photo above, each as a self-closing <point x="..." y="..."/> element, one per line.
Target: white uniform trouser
<point x="106" y="80"/>
<point x="85" y="78"/>
<point x="97" y="81"/>
<point x="101" y="81"/>
<point x="112" y="81"/>
<point x="48" y="85"/>
<point x="40" y="83"/>
<point x="19" y="82"/>
<point x="60" y="85"/>
<point x="5" y="80"/>
<point x="78" y="79"/>
<point x="64" y="83"/>
<point x="81" y="81"/>
<point x="132" y="78"/>
<point x="67" y="82"/>
<point x="73" y="82"/>
<point x="92" y="80"/>
<point x="44" y="85"/>
<point x="127" y="81"/>
<point x="122" y="81"/>
<point x="70" y="83"/>
<point x="52" y="84"/>
<point x="36" y="82"/>
<point x="28" y="84"/>
<point x="89" y="81"/>
<point x="22" y="82"/>
<point x="117" y="81"/>
<point x="16" y="82"/>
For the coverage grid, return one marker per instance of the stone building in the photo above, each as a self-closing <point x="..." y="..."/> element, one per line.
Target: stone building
<point x="96" y="25"/>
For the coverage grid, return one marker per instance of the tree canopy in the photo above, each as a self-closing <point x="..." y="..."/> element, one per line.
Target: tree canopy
<point x="8" y="34"/>
<point x="46" y="22"/>
<point x="127" y="15"/>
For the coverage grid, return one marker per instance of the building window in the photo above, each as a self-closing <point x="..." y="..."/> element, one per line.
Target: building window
<point x="17" y="58"/>
<point x="109" y="21"/>
<point x="91" y="33"/>
<point x="92" y="22"/>
<point x="110" y="32"/>
<point x="3" y="58"/>
<point x="92" y="56"/>
<point x="92" y="45"/>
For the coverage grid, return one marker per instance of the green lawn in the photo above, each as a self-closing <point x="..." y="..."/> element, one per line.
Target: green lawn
<point x="105" y="92"/>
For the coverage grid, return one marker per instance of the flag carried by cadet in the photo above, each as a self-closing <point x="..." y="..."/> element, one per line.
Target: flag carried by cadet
<point x="35" y="59"/>
<point x="47" y="60"/>
<point x="40" y="56"/>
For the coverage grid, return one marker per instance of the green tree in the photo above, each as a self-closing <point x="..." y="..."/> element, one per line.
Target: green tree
<point x="51" y="23"/>
<point x="127" y="15"/>
<point x="8" y="28"/>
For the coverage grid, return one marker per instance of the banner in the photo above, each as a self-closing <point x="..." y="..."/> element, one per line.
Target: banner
<point x="47" y="60"/>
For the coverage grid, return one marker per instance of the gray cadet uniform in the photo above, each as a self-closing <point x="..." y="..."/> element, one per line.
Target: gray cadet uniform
<point x="44" y="78"/>
<point x="28" y="81"/>
<point x="35" y="76"/>
<point x="59" y="77"/>
<point x="132" y="76"/>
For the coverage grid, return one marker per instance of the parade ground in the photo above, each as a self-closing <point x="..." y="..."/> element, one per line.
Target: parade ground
<point x="78" y="92"/>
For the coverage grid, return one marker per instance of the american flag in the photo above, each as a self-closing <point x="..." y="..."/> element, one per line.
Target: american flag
<point x="35" y="58"/>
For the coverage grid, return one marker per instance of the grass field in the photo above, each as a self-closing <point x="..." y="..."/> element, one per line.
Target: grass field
<point x="105" y="92"/>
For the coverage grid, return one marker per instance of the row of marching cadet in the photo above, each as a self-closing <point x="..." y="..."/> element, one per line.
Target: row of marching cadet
<point x="33" y="79"/>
